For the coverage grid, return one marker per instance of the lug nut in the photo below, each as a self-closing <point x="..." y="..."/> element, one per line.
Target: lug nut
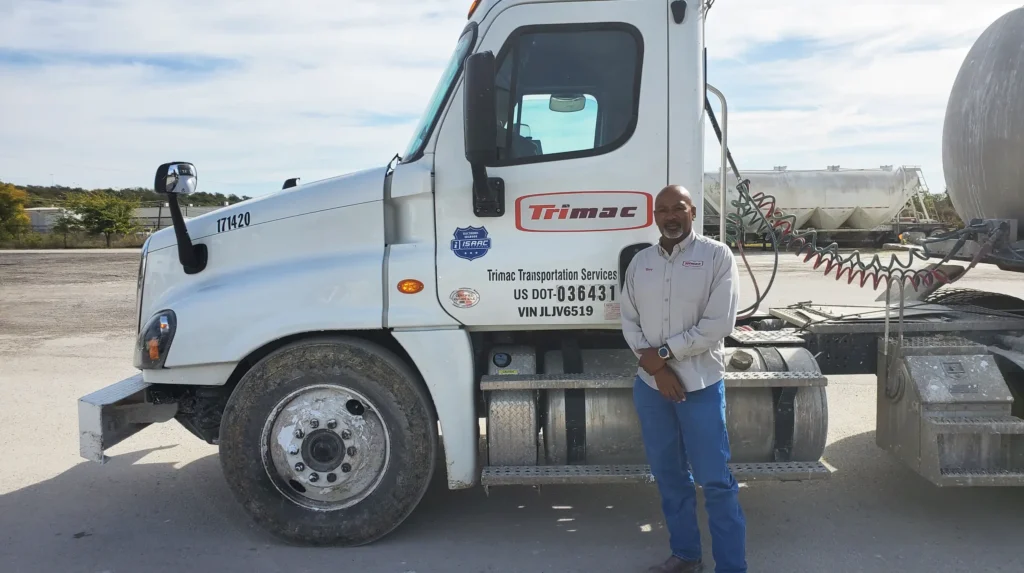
<point x="331" y="424"/>
<point x="314" y="424"/>
<point x="351" y="450"/>
<point x="294" y="450"/>
<point x="299" y="433"/>
<point x="346" y="435"/>
<point x="331" y="477"/>
<point x="299" y="467"/>
<point x="345" y="468"/>
<point x="314" y="477"/>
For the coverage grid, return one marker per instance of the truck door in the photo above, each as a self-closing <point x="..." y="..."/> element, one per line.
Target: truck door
<point x="582" y="118"/>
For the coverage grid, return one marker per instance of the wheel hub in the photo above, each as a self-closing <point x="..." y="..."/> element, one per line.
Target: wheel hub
<point x="325" y="447"/>
<point x="323" y="450"/>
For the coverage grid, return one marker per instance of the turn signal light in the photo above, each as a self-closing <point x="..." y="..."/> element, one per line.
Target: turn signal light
<point x="410" y="286"/>
<point x="154" y="340"/>
<point x="472" y="8"/>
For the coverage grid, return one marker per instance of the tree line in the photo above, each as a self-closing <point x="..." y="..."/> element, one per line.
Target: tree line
<point x="52" y="196"/>
<point x="96" y="212"/>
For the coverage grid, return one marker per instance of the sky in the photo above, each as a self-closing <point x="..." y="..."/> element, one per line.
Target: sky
<point x="98" y="93"/>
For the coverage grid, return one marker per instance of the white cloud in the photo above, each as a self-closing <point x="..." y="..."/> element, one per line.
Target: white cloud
<point x="869" y="89"/>
<point x="308" y="80"/>
<point x="302" y="84"/>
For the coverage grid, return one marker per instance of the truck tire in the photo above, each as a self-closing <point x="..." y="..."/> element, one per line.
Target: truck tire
<point x="329" y="441"/>
<point x="980" y="298"/>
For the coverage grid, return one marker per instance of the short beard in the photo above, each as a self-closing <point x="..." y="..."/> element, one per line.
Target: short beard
<point x="672" y="235"/>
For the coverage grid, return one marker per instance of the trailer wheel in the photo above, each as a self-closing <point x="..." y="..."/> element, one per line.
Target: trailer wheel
<point x="974" y="297"/>
<point x="329" y="441"/>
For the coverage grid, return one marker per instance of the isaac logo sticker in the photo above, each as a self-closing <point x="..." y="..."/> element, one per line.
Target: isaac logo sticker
<point x="584" y="211"/>
<point x="471" y="243"/>
<point x="464" y="298"/>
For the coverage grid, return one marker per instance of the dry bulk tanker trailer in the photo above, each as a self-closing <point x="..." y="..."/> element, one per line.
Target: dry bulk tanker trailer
<point x="849" y="206"/>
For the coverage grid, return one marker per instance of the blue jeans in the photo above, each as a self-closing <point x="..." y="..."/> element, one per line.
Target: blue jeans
<point x="693" y="432"/>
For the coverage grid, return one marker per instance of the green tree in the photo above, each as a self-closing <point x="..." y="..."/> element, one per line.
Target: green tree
<point x="13" y="219"/>
<point x="941" y="207"/>
<point x="104" y="213"/>
<point x="67" y="224"/>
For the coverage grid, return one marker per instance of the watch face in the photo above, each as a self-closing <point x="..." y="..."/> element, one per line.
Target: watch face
<point x="663" y="352"/>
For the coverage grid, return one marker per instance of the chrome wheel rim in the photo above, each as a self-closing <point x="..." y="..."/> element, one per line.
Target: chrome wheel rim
<point x="325" y="447"/>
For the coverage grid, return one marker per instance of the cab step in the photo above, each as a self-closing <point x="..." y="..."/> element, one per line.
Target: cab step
<point x="616" y="474"/>
<point x="976" y="425"/>
<point x="767" y="337"/>
<point x="617" y="381"/>
<point x="979" y="477"/>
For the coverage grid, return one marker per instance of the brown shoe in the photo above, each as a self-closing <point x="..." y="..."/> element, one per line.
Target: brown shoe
<point x="676" y="565"/>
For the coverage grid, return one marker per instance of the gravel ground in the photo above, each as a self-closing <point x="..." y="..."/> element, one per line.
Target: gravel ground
<point x="66" y="327"/>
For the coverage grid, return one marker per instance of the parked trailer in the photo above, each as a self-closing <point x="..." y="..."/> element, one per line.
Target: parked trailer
<point x="848" y="206"/>
<point x="330" y="337"/>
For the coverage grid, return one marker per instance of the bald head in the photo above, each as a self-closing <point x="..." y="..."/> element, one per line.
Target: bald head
<point x="674" y="212"/>
<point x="674" y="194"/>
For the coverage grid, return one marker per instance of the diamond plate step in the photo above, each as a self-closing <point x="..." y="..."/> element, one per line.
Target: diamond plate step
<point x="974" y="477"/>
<point x="606" y="381"/>
<point x="936" y="345"/>
<point x="612" y="474"/>
<point x="769" y="337"/>
<point x="977" y="425"/>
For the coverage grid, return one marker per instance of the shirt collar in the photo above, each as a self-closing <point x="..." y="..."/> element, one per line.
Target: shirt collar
<point x="680" y="247"/>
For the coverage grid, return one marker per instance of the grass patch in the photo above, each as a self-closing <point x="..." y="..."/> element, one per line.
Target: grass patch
<point x="34" y="240"/>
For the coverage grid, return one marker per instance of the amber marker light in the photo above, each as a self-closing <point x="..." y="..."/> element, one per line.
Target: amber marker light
<point x="410" y="286"/>
<point x="472" y="8"/>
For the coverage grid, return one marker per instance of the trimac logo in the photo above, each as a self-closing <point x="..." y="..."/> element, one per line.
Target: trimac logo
<point x="584" y="211"/>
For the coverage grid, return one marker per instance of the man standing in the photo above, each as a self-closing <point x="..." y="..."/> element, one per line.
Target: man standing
<point x="679" y="303"/>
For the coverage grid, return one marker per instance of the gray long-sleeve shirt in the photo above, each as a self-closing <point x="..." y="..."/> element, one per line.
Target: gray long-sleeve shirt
<point x="688" y="299"/>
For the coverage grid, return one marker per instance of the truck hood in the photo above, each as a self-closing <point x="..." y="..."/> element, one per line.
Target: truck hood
<point x="352" y="189"/>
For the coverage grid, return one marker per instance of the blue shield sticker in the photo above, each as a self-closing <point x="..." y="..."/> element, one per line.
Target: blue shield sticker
<point x="471" y="243"/>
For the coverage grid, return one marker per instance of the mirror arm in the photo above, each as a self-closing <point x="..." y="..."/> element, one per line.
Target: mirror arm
<point x="488" y="193"/>
<point x="192" y="257"/>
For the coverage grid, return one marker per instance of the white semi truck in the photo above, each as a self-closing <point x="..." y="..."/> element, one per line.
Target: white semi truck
<point x="336" y="338"/>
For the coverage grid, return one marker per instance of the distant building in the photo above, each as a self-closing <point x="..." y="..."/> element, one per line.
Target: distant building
<point x="42" y="219"/>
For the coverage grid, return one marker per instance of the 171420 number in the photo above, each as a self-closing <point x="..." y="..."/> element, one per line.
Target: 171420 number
<point x="232" y="222"/>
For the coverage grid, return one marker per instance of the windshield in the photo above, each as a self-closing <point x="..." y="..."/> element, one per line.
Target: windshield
<point x="444" y="85"/>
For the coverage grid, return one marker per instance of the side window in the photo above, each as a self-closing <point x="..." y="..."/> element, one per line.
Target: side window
<point x="558" y="123"/>
<point x="566" y="91"/>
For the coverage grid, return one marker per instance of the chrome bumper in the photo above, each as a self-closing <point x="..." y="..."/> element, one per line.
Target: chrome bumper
<point x="110" y="415"/>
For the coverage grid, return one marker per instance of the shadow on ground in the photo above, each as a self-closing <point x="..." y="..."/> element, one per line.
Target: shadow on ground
<point x="873" y="515"/>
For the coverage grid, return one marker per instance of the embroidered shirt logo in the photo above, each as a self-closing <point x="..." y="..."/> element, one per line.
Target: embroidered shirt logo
<point x="695" y="264"/>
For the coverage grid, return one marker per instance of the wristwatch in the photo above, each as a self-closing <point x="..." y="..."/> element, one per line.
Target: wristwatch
<point x="664" y="352"/>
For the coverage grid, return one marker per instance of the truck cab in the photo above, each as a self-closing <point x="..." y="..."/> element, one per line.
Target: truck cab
<point x="336" y="338"/>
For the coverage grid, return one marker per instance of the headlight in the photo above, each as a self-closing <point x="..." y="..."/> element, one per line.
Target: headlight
<point x="141" y="284"/>
<point x="155" y="340"/>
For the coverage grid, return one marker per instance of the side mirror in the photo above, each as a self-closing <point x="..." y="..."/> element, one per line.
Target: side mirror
<point x="173" y="179"/>
<point x="176" y="178"/>
<point x="567" y="103"/>
<point x="480" y="112"/>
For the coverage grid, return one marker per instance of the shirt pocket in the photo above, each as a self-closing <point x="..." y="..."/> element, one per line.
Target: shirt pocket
<point x="690" y="285"/>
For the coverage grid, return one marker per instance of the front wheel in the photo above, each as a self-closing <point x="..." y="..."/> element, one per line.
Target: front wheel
<point x="329" y="441"/>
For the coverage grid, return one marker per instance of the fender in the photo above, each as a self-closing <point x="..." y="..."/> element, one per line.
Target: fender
<point x="444" y="358"/>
